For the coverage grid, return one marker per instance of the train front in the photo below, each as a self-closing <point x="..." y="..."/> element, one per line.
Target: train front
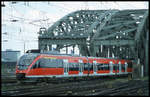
<point x="23" y="64"/>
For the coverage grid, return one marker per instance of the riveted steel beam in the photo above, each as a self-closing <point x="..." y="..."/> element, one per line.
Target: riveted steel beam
<point x="100" y="18"/>
<point x="120" y="24"/>
<point x="62" y="41"/>
<point x="116" y="33"/>
<point x="103" y="24"/>
<point x="114" y="42"/>
<point x="141" y="26"/>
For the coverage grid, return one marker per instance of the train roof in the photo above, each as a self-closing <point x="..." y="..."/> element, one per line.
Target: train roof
<point x="71" y="55"/>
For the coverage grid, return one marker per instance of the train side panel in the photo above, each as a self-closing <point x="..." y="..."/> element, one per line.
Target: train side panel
<point x="68" y="66"/>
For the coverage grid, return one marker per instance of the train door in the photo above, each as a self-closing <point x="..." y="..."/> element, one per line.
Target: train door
<point x="120" y="67"/>
<point x="66" y="67"/>
<point x="80" y="67"/>
<point x="126" y="67"/>
<point x="116" y="68"/>
<point x="111" y="67"/>
<point x="95" y="67"/>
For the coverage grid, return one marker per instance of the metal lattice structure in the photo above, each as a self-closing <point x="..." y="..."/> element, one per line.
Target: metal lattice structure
<point x="102" y="33"/>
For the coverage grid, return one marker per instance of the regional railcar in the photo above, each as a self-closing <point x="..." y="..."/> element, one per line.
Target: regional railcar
<point x="40" y="65"/>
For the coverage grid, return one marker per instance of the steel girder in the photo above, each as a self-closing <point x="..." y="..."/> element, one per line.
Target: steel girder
<point x="104" y="33"/>
<point x="73" y="25"/>
<point x="142" y="42"/>
<point x="120" y="26"/>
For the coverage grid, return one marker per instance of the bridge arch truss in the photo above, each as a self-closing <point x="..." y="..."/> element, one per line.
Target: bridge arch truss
<point x="104" y="33"/>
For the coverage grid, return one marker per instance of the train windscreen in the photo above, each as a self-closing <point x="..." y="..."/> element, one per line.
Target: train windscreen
<point x="25" y="61"/>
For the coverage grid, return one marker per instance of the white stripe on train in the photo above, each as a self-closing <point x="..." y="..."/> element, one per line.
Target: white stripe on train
<point x="75" y="75"/>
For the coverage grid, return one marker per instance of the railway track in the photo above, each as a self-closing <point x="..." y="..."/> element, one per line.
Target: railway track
<point x="85" y="88"/>
<point x="45" y="89"/>
<point x="123" y="89"/>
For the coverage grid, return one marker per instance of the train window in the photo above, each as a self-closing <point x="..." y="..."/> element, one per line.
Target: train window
<point x="90" y="66"/>
<point x="25" y="61"/>
<point x="36" y="65"/>
<point x="103" y="66"/>
<point x="99" y="66"/>
<point x="85" y="66"/>
<point x="59" y="63"/>
<point x="115" y="66"/>
<point x="130" y="65"/>
<point x="51" y="63"/>
<point x="106" y="66"/>
<point x="73" y="66"/>
<point x="123" y="67"/>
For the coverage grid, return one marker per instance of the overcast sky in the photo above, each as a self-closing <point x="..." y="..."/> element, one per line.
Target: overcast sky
<point x="33" y="15"/>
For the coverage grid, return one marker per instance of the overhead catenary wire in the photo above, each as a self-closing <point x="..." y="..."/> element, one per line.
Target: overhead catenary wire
<point x="35" y="22"/>
<point x="29" y="19"/>
<point x="22" y="20"/>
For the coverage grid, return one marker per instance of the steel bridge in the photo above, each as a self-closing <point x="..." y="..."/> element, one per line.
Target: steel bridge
<point x="103" y="33"/>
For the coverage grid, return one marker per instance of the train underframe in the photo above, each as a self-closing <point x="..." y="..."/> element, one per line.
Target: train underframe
<point x="21" y="77"/>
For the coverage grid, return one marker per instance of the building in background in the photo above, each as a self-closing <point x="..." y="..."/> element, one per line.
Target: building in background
<point x="10" y="56"/>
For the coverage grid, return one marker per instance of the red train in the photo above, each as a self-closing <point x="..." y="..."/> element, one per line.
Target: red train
<point x="33" y="65"/>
